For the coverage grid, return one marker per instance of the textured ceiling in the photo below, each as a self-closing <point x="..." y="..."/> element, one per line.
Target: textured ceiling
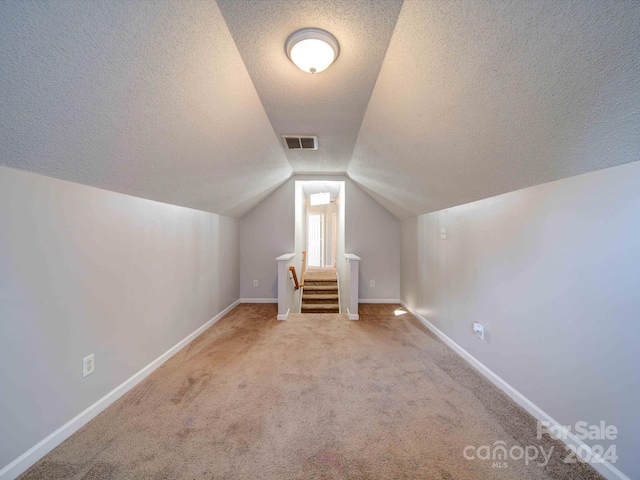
<point x="430" y="104"/>
<point x="146" y="98"/>
<point x="330" y="104"/>
<point x="478" y="98"/>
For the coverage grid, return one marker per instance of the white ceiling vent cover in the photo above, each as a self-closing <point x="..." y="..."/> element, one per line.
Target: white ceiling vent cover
<point x="300" y="142"/>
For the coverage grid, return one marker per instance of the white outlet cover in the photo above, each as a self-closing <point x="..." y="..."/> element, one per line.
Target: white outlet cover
<point x="478" y="330"/>
<point x="443" y="233"/>
<point x="372" y="283"/>
<point x="88" y="365"/>
<point x="255" y="283"/>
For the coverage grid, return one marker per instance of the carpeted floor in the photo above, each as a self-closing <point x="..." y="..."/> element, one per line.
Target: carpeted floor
<point x="317" y="396"/>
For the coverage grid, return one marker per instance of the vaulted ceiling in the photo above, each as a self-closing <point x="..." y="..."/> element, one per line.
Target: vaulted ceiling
<point x="430" y="104"/>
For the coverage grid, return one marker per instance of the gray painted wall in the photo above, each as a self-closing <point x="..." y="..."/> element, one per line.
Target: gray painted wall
<point x="84" y="271"/>
<point x="300" y="226"/>
<point x="553" y="273"/>
<point x="371" y="232"/>
<point x="266" y="232"/>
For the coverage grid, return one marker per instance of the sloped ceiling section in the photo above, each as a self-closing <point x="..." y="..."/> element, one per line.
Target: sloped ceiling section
<point x="472" y="98"/>
<point x="330" y="104"/>
<point x="150" y="99"/>
<point x="478" y="98"/>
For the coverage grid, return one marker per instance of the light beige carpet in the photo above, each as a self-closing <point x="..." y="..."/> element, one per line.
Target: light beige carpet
<point x="317" y="396"/>
<point x="320" y="275"/>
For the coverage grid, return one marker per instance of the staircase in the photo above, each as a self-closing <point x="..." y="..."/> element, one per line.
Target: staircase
<point x="320" y="292"/>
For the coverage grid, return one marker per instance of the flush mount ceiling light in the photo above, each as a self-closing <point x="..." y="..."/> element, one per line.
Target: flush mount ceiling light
<point x="312" y="49"/>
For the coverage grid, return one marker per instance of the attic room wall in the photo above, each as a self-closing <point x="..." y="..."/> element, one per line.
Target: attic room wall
<point x="372" y="233"/>
<point x="300" y="220"/>
<point x="83" y="271"/>
<point x="552" y="272"/>
<point x="266" y="232"/>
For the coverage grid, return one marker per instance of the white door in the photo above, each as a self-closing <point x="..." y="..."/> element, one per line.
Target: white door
<point x="314" y="239"/>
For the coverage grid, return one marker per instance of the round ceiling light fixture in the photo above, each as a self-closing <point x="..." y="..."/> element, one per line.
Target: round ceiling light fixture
<point x="312" y="49"/>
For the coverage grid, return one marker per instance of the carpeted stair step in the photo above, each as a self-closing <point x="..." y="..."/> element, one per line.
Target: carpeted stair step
<point x="320" y="298"/>
<point x="320" y="288"/>
<point x="320" y="293"/>
<point x="320" y="283"/>
<point x="320" y="308"/>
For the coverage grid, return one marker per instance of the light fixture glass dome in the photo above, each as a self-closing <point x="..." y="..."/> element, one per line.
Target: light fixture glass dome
<point x="312" y="49"/>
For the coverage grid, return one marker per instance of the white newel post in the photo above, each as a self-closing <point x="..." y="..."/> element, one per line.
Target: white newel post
<point x="283" y="277"/>
<point x="353" y="265"/>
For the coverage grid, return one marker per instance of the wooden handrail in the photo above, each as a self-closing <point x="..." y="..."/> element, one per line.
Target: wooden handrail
<point x="292" y="269"/>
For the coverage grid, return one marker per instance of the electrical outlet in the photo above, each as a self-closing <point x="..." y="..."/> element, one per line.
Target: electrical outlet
<point x="478" y="330"/>
<point x="88" y="365"/>
<point x="255" y="283"/>
<point x="443" y="233"/>
<point x="372" y="283"/>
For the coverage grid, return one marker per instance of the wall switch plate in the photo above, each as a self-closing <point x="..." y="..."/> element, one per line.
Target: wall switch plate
<point x="478" y="330"/>
<point x="443" y="233"/>
<point x="88" y="365"/>
<point x="372" y="283"/>
<point x="255" y="283"/>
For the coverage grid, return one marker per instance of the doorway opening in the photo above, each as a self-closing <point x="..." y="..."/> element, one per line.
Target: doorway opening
<point x="319" y="229"/>
<point x="319" y="239"/>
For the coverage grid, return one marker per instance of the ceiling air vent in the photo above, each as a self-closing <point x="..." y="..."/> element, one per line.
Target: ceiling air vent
<point x="297" y="142"/>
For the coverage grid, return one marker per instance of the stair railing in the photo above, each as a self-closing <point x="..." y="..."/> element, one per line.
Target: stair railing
<point x="294" y="277"/>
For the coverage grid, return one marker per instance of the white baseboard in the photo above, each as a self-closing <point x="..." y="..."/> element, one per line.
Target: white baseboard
<point x="35" y="453"/>
<point x="353" y="316"/>
<point x="285" y="316"/>
<point x="378" y="300"/>
<point x="606" y="469"/>
<point x="258" y="300"/>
